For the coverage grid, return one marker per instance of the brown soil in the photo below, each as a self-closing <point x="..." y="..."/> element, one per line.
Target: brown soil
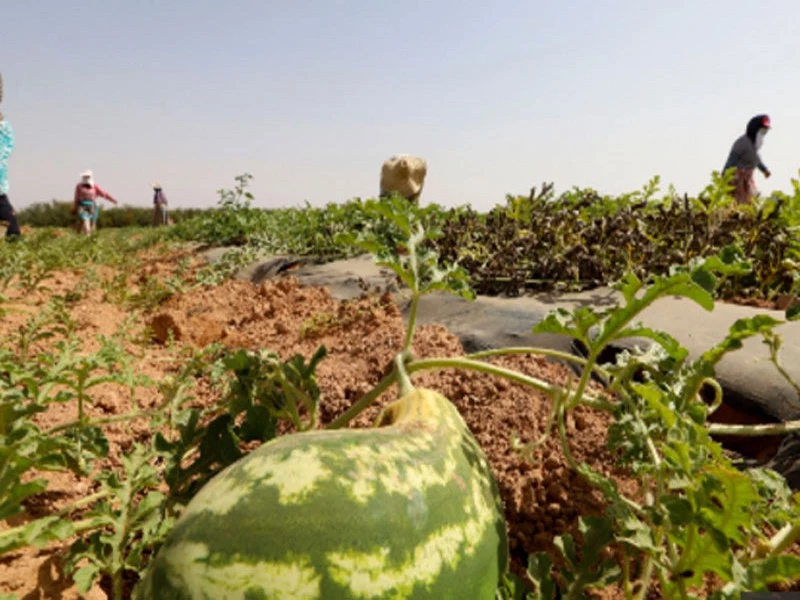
<point x="781" y="302"/>
<point x="542" y="496"/>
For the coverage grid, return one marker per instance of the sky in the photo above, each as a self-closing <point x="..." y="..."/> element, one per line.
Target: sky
<point x="311" y="96"/>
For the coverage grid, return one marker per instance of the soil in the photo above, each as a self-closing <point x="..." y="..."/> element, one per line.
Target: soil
<point x="542" y="496"/>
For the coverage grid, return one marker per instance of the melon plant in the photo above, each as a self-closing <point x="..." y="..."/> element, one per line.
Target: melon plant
<point x="406" y="509"/>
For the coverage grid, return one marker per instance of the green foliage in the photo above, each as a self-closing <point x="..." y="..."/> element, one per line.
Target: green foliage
<point x="30" y="384"/>
<point x="23" y="446"/>
<point x="28" y="263"/>
<point x="260" y="391"/>
<point x="59" y="214"/>
<point x="582" y="239"/>
<point x="129" y="522"/>
<point x="128" y="517"/>
<point x="700" y="515"/>
<point x="231" y="223"/>
<point x="397" y="236"/>
<point x="579" y="239"/>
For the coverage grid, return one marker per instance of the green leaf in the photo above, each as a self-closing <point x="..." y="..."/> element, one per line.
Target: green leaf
<point x="59" y="529"/>
<point x="597" y="534"/>
<point x="679" y="456"/>
<point x="637" y="534"/>
<point x="793" y="312"/>
<point x="706" y="557"/>
<point x="16" y="492"/>
<point x="705" y="280"/>
<point x="512" y="587"/>
<point x="629" y="285"/>
<point x="772" y="570"/>
<point x="540" y="567"/>
<point x="85" y="577"/>
<point x="676" y="285"/>
<point x="576" y="324"/>
<point x="730" y="495"/>
<point x="655" y="399"/>
<point x="35" y="533"/>
<point x="151" y="503"/>
<point x="679" y="509"/>
<point x="672" y="346"/>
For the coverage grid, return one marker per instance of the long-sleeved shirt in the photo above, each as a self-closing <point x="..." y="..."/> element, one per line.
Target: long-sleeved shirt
<point x="743" y="155"/>
<point x="6" y="146"/>
<point x="159" y="199"/>
<point x="93" y="192"/>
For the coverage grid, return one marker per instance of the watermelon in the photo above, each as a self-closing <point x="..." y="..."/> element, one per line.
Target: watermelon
<point x="406" y="509"/>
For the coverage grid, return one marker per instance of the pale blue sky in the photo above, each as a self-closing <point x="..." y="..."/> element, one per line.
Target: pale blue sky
<point x="311" y="96"/>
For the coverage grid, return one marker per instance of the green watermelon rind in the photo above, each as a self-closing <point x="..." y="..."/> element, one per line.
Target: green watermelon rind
<point x="406" y="511"/>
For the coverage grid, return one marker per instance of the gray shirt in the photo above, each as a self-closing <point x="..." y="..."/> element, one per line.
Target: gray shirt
<point x="744" y="155"/>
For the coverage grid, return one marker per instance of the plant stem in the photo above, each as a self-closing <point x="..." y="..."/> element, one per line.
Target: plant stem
<point x="787" y="536"/>
<point x="363" y="402"/>
<point x="120" y="535"/>
<point x="483" y="367"/>
<point x="6" y="537"/>
<point x="714" y="384"/>
<point x="776" y="361"/>
<point x="403" y="379"/>
<point x="562" y="433"/>
<point x="626" y="577"/>
<point x="412" y="320"/>
<point x="754" y="430"/>
<point x="541" y="351"/>
<point x="81" y="502"/>
<point x="584" y="381"/>
<point x="458" y="363"/>
<point x="647" y="574"/>
<point x="138" y="414"/>
<point x="106" y="420"/>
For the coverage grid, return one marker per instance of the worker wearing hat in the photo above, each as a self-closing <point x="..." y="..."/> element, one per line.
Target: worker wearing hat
<point x="159" y="206"/>
<point x="86" y="205"/>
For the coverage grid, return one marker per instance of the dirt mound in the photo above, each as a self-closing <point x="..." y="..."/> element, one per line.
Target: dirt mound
<point x="543" y="497"/>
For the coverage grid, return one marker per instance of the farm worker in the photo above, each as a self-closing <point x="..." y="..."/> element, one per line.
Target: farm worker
<point x="405" y="175"/>
<point x="85" y="204"/>
<point x="7" y="212"/>
<point x="745" y="158"/>
<point x="159" y="206"/>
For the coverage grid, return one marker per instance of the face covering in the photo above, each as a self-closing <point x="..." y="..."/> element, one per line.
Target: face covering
<point x="760" y="138"/>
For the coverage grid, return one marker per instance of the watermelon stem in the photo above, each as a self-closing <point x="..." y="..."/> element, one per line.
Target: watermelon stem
<point x="363" y="402"/>
<point x="454" y="363"/>
<point x="578" y="360"/>
<point x="412" y="321"/>
<point x="782" y="540"/>
<point x="515" y="376"/>
<point x="406" y="387"/>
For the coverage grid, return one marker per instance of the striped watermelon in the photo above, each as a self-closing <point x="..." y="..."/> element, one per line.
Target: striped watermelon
<point x="409" y="509"/>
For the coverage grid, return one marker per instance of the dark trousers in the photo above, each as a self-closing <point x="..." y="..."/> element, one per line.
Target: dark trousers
<point x="7" y="214"/>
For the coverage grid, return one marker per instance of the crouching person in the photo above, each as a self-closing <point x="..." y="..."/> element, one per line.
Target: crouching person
<point x="405" y="175"/>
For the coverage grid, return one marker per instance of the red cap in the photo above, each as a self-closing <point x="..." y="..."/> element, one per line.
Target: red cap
<point x="765" y="122"/>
